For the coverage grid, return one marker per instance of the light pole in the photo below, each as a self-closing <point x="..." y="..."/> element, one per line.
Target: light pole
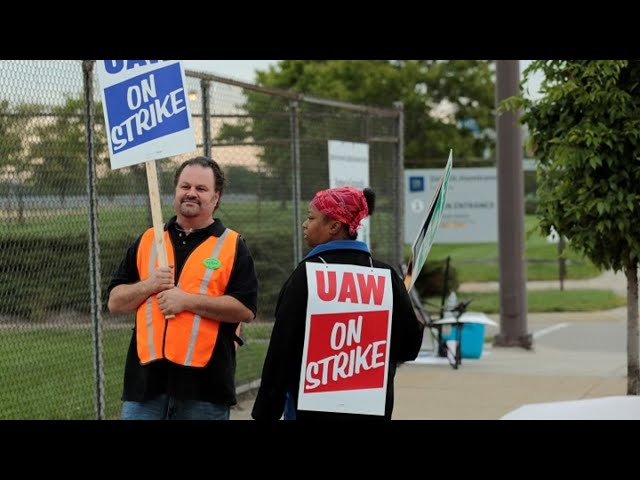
<point x="513" y="292"/>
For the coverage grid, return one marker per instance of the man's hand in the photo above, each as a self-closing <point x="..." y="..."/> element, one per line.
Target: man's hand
<point x="173" y="301"/>
<point x="161" y="279"/>
<point x="127" y="297"/>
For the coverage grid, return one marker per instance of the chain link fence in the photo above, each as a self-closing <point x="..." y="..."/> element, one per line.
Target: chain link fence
<point x="68" y="218"/>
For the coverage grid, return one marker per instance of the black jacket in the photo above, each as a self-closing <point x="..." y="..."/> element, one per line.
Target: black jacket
<point x="281" y="371"/>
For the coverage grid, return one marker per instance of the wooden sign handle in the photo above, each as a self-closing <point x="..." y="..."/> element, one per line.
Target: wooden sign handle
<point x="156" y="215"/>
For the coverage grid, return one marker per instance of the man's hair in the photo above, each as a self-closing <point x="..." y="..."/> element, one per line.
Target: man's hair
<point x="206" y="162"/>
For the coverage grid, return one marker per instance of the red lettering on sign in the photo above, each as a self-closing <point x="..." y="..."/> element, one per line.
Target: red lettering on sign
<point x="348" y="290"/>
<point x="326" y="292"/>
<point x="346" y="351"/>
<point x="366" y="289"/>
<point x="368" y="286"/>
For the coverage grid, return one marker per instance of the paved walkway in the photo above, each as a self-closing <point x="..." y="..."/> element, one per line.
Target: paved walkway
<point x="609" y="280"/>
<point x="576" y="355"/>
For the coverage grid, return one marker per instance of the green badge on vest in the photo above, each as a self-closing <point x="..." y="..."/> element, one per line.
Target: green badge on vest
<point x="212" y="263"/>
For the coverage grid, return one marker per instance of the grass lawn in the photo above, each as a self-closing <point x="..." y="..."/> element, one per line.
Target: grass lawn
<point x="49" y="371"/>
<point x="478" y="262"/>
<point x="545" y="301"/>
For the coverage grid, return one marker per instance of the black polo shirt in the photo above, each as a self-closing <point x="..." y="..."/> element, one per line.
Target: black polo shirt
<point x="216" y="381"/>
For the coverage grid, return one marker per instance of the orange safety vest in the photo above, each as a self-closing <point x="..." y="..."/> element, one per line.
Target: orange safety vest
<point x="188" y="339"/>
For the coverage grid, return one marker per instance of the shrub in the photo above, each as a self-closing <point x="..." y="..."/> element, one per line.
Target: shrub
<point x="39" y="276"/>
<point x="273" y="257"/>
<point x="530" y="203"/>
<point x="431" y="281"/>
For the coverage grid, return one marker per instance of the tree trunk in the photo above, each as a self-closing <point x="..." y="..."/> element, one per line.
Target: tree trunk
<point x="633" y="366"/>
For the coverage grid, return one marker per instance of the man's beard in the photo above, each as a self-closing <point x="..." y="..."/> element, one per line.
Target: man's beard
<point x="190" y="210"/>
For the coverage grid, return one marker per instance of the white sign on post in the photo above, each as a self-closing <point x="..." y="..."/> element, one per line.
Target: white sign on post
<point x="349" y="165"/>
<point x="146" y="110"/>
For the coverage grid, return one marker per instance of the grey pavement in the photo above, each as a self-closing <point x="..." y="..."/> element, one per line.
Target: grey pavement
<point x="615" y="281"/>
<point x="576" y="355"/>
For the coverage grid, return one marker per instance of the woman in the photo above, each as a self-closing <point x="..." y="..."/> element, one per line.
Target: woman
<point x="331" y="230"/>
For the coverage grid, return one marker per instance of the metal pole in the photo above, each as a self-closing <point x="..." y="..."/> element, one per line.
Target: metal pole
<point x="398" y="197"/>
<point x="562" y="261"/>
<point x="513" y="294"/>
<point x="94" y="246"/>
<point x="295" y="189"/>
<point x="206" y="117"/>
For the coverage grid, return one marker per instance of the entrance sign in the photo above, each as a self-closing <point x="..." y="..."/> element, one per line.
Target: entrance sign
<point x="471" y="212"/>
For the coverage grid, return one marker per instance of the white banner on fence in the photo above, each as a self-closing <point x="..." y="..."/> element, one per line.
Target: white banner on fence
<point x="349" y="165"/>
<point x="146" y="110"/>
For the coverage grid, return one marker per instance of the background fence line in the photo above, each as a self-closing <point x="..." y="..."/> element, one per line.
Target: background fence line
<point x="69" y="219"/>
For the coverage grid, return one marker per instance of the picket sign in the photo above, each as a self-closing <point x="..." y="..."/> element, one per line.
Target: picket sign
<point x="147" y="117"/>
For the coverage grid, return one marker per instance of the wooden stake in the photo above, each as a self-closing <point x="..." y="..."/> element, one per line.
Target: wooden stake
<point x="156" y="215"/>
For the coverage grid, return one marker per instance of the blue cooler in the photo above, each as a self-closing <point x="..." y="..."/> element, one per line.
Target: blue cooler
<point x="472" y="339"/>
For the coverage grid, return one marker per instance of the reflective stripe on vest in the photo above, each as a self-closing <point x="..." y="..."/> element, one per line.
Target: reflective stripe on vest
<point x="187" y="339"/>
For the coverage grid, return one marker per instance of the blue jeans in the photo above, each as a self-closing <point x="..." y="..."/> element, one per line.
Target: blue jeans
<point x="164" y="407"/>
<point x="289" y="407"/>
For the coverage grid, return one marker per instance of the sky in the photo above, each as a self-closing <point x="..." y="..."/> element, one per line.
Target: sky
<point x="237" y="69"/>
<point x="533" y="85"/>
<point x="244" y="70"/>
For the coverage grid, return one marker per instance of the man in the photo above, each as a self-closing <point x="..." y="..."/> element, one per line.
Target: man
<point x="181" y="359"/>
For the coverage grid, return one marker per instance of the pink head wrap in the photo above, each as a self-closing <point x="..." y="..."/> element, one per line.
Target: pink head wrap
<point x="345" y="204"/>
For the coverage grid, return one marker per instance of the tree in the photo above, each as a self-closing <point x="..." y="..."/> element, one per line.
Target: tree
<point x="585" y="132"/>
<point x="461" y="91"/>
<point x="448" y="103"/>
<point x="60" y="153"/>
<point x="10" y="150"/>
<point x="241" y="179"/>
<point x="14" y="125"/>
<point x="11" y="141"/>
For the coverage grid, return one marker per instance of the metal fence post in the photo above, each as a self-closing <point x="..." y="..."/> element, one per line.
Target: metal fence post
<point x="206" y="116"/>
<point x="398" y="173"/>
<point x="94" y="246"/>
<point x="295" y="190"/>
